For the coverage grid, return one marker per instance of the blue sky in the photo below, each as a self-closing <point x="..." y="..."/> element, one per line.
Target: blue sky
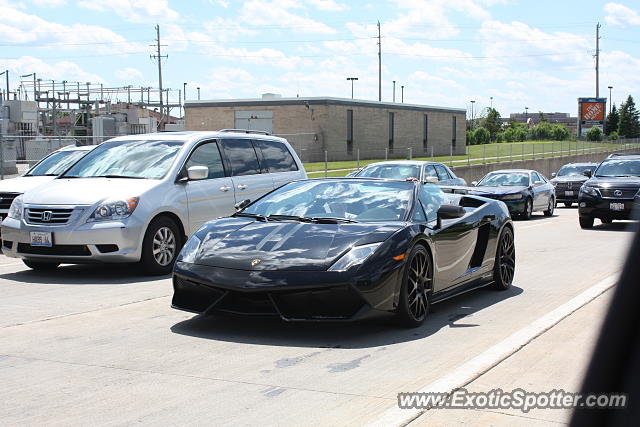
<point x="445" y="52"/>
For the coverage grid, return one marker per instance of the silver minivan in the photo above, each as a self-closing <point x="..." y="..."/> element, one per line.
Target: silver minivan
<point x="136" y="198"/>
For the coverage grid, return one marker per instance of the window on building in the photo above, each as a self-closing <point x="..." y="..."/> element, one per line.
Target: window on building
<point x="391" y="130"/>
<point x="425" y="139"/>
<point x="349" y="131"/>
<point x="453" y="132"/>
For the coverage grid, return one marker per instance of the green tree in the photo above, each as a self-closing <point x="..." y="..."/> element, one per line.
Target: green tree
<point x="612" y="121"/>
<point x="541" y="117"/>
<point x="559" y="132"/>
<point x="492" y="122"/>
<point x="470" y="139"/>
<point x="629" y="122"/>
<point x="594" y="134"/>
<point x="481" y="136"/>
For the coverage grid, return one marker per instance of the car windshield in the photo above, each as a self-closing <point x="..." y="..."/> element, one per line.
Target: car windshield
<point x="506" y="179"/>
<point x="574" y="170"/>
<point x="390" y="171"/>
<point x="127" y="159"/>
<point x="621" y="167"/>
<point x="56" y="163"/>
<point x="343" y="199"/>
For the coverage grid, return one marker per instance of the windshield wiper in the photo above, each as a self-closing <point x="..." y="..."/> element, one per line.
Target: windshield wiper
<point x="293" y="217"/>
<point x="115" y="176"/>
<point x="331" y="220"/>
<point x="250" y="215"/>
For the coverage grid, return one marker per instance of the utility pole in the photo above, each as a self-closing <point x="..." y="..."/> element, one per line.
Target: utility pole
<point x="597" y="60"/>
<point x="379" y="64"/>
<point x="6" y="73"/>
<point x="158" y="56"/>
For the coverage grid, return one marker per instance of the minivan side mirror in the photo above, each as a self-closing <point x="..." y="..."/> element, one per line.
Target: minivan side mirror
<point x="242" y="204"/>
<point x="431" y="180"/>
<point x="553" y="174"/>
<point x="587" y="173"/>
<point x="196" y="173"/>
<point x="474" y="183"/>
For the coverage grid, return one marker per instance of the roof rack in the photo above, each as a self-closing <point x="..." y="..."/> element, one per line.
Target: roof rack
<point x="622" y="154"/>
<point x="260" y="132"/>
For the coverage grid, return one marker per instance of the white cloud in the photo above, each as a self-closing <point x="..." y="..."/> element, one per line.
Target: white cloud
<point x="49" y="3"/>
<point x="134" y="10"/>
<point x="129" y="74"/>
<point x="328" y="5"/>
<point x="63" y="70"/>
<point x="276" y="13"/>
<point x="621" y="15"/>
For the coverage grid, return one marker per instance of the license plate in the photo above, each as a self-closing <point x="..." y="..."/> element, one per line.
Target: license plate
<point x="616" y="206"/>
<point x="41" y="238"/>
<point x="568" y="193"/>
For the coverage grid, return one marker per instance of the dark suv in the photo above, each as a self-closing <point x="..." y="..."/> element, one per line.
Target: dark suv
<point x="568" y="181"/>
<point x="611" y="192"/>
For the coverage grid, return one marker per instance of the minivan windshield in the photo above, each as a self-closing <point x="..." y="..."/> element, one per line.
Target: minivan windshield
<point x="56" y="163"/>
<point x="143" y="159"/>
<point x="620" y="168"/>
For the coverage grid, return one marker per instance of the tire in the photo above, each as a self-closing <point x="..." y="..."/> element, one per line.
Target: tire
<point x="568" y="204"/>
<point x="550" y="208"/>
<point x="606" y="220"/>
<point x="585" y="221"/>
<point x="505" y="266"/>
<point x="40" y="265"/>
<point x="160" y="247"/>
<point x="416" y="288"/>
<point x="528" y="209"/>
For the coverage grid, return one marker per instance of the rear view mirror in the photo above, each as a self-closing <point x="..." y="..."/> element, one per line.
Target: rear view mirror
<point x="242" y="204"/>
<point x="587" y="173"/>
<point x="196" y="173"/>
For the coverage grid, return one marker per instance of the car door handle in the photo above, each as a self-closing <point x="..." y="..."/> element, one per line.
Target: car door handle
<point x="225" y="188"/>
<point x="241" y="187"/>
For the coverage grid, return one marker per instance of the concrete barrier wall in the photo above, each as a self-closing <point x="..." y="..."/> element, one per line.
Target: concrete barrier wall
<point x="546" y="166"/>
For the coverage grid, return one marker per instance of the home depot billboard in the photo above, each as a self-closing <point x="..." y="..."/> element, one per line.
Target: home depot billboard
<point x="591" y="112"/>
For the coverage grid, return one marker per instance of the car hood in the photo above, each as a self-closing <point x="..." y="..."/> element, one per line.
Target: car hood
<point x="617" y="182"/>
<point x="569" y="178"/>
<point x="86" y="191"/>
<point x="495" y="190"/>
<point x="242" y="244"/>
<point x="22" y="184"/>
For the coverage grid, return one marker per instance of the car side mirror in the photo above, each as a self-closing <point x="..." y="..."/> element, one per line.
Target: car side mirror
<point x="431" y="180"/>
<point x="242" y="204"/>
<point x="449" y="212"/>
<point x="474" y="183"/>
<point x="196" y="173"/>
<point x="553" y="174"/>
<point x="587" y="173"/>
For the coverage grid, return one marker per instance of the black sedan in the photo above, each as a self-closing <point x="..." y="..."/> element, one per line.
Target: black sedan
<point x="524" y="191"/>
<point x="568" y="181"/>
<point x="337" y="249"/>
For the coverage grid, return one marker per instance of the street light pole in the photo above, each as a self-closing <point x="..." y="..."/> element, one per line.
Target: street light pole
<point x="491" y="98"/>
<point x="402" y="94"/>
<point x="526" y="115"/>
<point x="352" y="79"/>
<point x="198" y="93"/>
<point x="473" y="121"/>
<point x="394" y="91"/>
<point x="184" y="91"/>
<point x="610" y="104"/>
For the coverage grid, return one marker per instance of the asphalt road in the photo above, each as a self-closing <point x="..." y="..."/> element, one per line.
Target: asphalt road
<point x="100" y="344"/>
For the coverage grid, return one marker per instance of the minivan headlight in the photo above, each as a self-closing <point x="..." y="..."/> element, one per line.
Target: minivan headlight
<point x="15" y="210"/>
<point x="114" y="209"/>
<point x="357" y="255"/>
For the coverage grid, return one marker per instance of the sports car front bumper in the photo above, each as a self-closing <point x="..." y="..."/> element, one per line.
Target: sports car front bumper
<point x="292" y="295"/>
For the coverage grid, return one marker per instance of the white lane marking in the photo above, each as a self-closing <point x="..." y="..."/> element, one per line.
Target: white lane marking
<point x="485" y="361"/>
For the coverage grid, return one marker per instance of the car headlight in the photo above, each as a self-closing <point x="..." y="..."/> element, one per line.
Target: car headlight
<point x="114" y="209"/>
<point x="516" y="196"/>
<point x="15" y="210"/>
<point x="591" y="191"/>
<point x="190" y="250"/>
<point x="357" y="255"/>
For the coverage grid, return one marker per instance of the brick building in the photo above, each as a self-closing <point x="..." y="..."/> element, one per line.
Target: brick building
<point x="345" y="128"/>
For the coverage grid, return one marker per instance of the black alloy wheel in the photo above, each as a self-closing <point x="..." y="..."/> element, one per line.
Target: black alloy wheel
<point x="528" y="209"/>
<point x="416" y="288"/>
<point x="586" y="221"/>
<point x="551" y="207"/>
<point x="505" y="265"/>
<point x="160" y="246"/>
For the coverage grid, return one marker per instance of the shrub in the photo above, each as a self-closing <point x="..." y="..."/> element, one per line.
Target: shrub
<point x="613" y="136"/>
<point x="481" y="136"/>
<point x="594" y="134"/>
<point x="559" y="132"/>
<point x="470" y="138"/>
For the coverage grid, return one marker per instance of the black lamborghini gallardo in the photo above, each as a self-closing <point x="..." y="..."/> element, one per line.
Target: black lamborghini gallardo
<point x="336" y="249"/>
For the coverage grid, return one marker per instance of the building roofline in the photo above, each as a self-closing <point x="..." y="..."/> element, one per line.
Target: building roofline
<point x="256" y="102"/>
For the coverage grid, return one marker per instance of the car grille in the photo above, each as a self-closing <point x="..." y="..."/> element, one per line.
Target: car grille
<point x="575" y="186"/>
<point x="6" y="199"/>
<point x="55" y="216"/>
<point x="618" y="193"/>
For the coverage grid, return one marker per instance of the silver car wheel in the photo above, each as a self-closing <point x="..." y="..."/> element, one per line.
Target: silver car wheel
<point x="164" y="246"/>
